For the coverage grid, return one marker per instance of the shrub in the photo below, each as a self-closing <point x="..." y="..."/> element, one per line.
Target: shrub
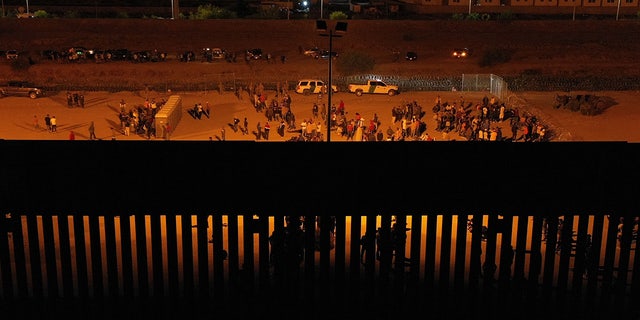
<point x="506" y="16"/>
<point x="354" y="62"/>
<point x="71" y="14"/>
<point x="475" y="16"/>
<point x="458" y="16"/>
<point x="41" y="14"/>
<point x="338" y="15"/>
<point x="209" y="11"/>
<point x="268" y="13"/>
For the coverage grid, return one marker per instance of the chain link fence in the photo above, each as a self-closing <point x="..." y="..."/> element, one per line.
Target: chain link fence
<point x="485" y="82"/>
<point x="500" y="86"/>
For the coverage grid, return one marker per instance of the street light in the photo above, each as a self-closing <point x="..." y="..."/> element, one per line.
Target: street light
<point x="340" y="30"/>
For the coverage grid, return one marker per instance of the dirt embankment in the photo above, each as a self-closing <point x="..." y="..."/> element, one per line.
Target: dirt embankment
<point x="565" y="50"/>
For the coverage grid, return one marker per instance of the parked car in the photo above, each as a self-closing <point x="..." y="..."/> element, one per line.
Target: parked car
<point x="324" y="54"/>
<point x="461" y="52"/>
<point x="100" y="55"/>
<point x="210" y="54"/>
<point x="11" y="54"/>
<point x="254" y="54"/>
<point x="25" y="15"/>
<point x="311" y="52"/>
<point x="313" y="86"/>
<point x="141" y="56"/>
<point x="78" y="54"/>
<point x="411" y="56"/>
<point x="157" y="55"/>
<point x="119" y="54"/>
<point x="20" y="88"/>
<point x="51" y="54"/>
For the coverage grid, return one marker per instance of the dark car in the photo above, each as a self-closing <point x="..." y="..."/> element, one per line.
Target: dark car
<point x="411" y="56"/>
<point x="77" y="54"/>
<point x="119" y="54"/>
<point x="254" y="54"/>
<point x="157" y="55"/>
<point x="11" y="54"/>
<point x="100" y="55"/>
<point x="51" y="54"/>
<point x="141" y="56"/>
<point x="324" y="54"/>
<point x="461" y="52"/>
<point x="20" y="88"/>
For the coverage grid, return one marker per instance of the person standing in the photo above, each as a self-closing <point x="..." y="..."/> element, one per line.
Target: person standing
<point x="267" y="128"/>
<point x="236" y="121"/>
<point x="72" y="136"/>
<point x="92" y="131"/>
<point x="167" y="131"/>
<point x="123" y="106"/>
<point x="69" y="99"/>
<point x="36" y="125"/>
<point x="259" y="133"/>
<point x="47" y="122"/>
<point x="127" y="126"/>
<point x="54" y="124"/>
<point x="199" y="111"/>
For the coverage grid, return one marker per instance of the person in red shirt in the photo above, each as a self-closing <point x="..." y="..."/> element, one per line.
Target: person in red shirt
<point x="372" y="126"/>
<point x="341" y="108"/>
<point x="72" y="136"/>
<point x="267" y="128"/>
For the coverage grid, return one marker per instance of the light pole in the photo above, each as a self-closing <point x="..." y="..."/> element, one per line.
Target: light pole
<point x="340" y="29"/>
<point x="175" y="9"/>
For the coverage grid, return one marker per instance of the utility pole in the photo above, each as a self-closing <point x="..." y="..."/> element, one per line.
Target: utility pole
<point x="175" y="9"/>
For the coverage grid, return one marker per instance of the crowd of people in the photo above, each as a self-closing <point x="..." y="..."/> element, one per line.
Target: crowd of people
<point x="471" y="121"/>
<point x="139" y="119"/>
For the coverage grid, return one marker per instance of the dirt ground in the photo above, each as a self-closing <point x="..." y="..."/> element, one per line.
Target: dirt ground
<point x="561" y="48"/>
<point x="618" y="123"/>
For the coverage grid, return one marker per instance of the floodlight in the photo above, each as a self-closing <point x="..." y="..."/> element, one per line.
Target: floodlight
<point x="341" y="27"/>
<point x="321" y="26"/>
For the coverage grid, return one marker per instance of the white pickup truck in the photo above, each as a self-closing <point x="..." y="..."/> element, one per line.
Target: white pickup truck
<point x="373" y="86"/>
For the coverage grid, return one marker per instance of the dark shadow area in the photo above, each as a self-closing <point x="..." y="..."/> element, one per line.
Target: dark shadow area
<point x="287" y="181"/>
